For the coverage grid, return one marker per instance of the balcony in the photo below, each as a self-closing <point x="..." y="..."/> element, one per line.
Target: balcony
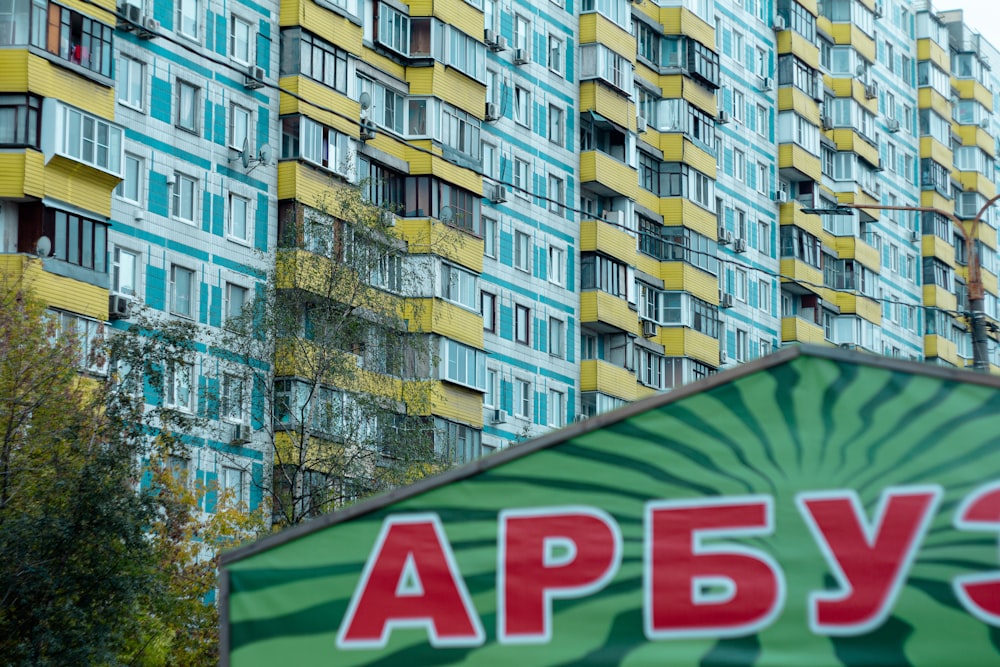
<point x="862" y="306"/>
<point x="598" y="375"/>
<point x="686" y="342"/>
<point x="796" y="163"/>
<point x="941" y="348"/>
<point x="608" y="175"/>
<point x="598" y="306"/>
<point x="798" y="330"/>
<point x="610" y="239"/>
<point x="797" y="273"/>
<point x="683" y="277"/>
<point x="939" y="297"/>
<point x="56" y="291"/>
<point x="608" y="103"/>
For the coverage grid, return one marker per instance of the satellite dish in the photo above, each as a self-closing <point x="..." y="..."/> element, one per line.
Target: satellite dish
<point x="446" y="214"/>
<point x="264" y="156"/>
<point x="365" y="99"/>
<point x="43" y="248"/>
<point x="245" y="153"/>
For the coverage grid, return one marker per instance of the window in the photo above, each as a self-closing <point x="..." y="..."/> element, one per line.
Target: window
<point x="458" y="286"/>
<point x="764" y="295"/>
<point x="522" y="404"/>
<point x="236" y="299"/>
<point x="598" y="61"/>
<point x="314" y="58"/>
<point x="20" y="120"/>
<point x="742" y="345"/>
<point x="556" y="194"/>
<point x="557" y="338"/>
<point x="131" y="83"/>
<point x="556" y="125"/>
<point x="557" y="265"/>
<point x="324" y="146"/>
<point x="239" y="214"/>
<point x="88" y="139"/>
<point x="183" y="197"/>
<point x="522" y="34"/>
<point x="130" y="189"/>
<point x="739" y="105"/>
<point x="231" y="403"/>
<point x="179" y="386"/>
<point x="124" y="267"/>
<point x="459" y="443"/>
<point x="240" y="40"/>
<point x="239" y="127"/>
<point x="739" y="165"/>
<point x="77" y="240"/>
<point x="491" y="397"/>
<point x="522" y="106"/>
<point x="187" y="18"/>
<point x="187" y="106"/>
<point x="489" y="237"/>
<point x="488" y="308"/>
<point x="463" y="364"/>
<point x="181" y="291"/>
<point x="603" y="273"/>
<point x="763" y="179"/>
<point x="521" y="184"/>
<point x="233" y="485"/>
<point x="70" y="35"/>
<point x="522" y="325"/>
<point x="557" y="409"/>
<point x="90" y="336"/>
<point x="393" y="29"/>
<point x="740" y="285"/>
<point x="522" y="251"/>
<point x="555" y="54"/>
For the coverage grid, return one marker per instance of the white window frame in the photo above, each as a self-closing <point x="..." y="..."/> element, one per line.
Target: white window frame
<point x="523" y="398"/>
<point x="522" y="106"/>
<point x="557" y="125"/>
<point x="131" y="83"/>
<point x="555" y="55"/>
<point x="557" y="338"/>
<point x="188" y="10"/>
<point x="522" y="251"/>
<point x="228" y="312"/>
<point x="522" y="324"/>
<point x="231" y="477"/>
<point x="188" y="96"/>
<point x="556" y="193"/>
<point x="120" y="268"/>
<point x="184" y="187"/>
<point x="131" y="180"/>
<point x="177" y="393"/>
<point x="240" y="126"/>
<point x="233" y="411"/>
<point x="236" y="203"/>
<point x="557" y="265"/>
<point x="557" y="409"/>
<point x="175" y="304"/>
<point x="234" y="23"/>
<point x="489" y="237"/>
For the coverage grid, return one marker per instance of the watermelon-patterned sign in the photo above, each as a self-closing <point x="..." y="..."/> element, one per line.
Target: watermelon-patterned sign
<point x="813" y="508"/>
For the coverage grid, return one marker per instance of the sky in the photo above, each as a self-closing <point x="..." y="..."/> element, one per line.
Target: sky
<point x="983" y="16"/>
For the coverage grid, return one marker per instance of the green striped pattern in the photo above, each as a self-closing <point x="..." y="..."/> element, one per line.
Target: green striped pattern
<point x="806" y="425"/>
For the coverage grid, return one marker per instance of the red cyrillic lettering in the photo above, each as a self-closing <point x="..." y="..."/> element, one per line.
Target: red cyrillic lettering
<point x="411" y="580"/>
<point x="560" y="552"/>
<point x="980" y="593"/>
<point x="695" y="590"/>
<point x="870" y="562"/>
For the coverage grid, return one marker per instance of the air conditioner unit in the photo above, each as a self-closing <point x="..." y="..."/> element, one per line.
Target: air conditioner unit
<point x="149" y="29"/>
<point x="616" y="218"/>
<point x="254" y="78"/>
<point x="132" y="15"/>
<point x="916" y="236"/>
<point x="242" y="433"/>
<point x="826" y="122"/>
<point x="368" y="130"/>
<point x="725" y="300"/>
<point x="781" y="197"/>
<point x="490" y="37"/>
<point x="892" y="124"/>
<point x="985" y="123"/>
<point x="779" y="24"/>
<point x="492" y="111"/>
<point x="648" y="328"/>
<point x="723" y="357"/>
<point x="880" y="166"/>
<point x="521" y="57"/>
<point x="498" y="417"/>
<point x="640" y="124"/>
<point x="501" y="44"/>
<point x="766" y="83"/>
<point x="723" y="117"/>
<point x="740" y="245"/>
<point x="580" y="416"/>
<point x="119" y="307"/>
<point x="871" y="91"/>
<point x="725" y="236"/>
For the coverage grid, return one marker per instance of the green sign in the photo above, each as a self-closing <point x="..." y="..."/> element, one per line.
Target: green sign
<point x="814" y="508"/>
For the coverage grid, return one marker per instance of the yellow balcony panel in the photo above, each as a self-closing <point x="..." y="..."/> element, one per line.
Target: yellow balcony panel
<point x="791" y="214"/>
<point x="849" y="140"/>
<point x="445" y="318"/>
<point x="308" y="184"/>
<point x="683" y="277"/>
<point x="595" y="28"/>
<point x="598" y="306"/>
<point x="793" y="99"/>
<point x="682" y="21"/>
<point x="970" y="89"/>
<point x="434" y="163"/>
<point x="824" y="26"/>
<point x="684" y="212"/>
<point x="322" y="451"/>
<point x="928" y="98"/>
<point x="457" y="403"/>
<point x="850" y="34"/>
<point x="851" y="247"/>
<point x="855" y="89"/>
<point x="862" y="306"/>
<point x="320" y="98"/>
<point x="332" y="26"/>
<point x="989" y="281"/>
<point x="60" y="292"/>
<point x="934" y="149"/>
<point x="22" y="174"/>
<point x="678" y="148"/>
<point x="798" y="330"/>
<point x="428" y="236"/>
<point x="973" y="181"/>
<point x="614" y="176"/>
<point x="450" y="85"/>
<point x="932" y="245"/>
<point x="939" y="347"/>
<point x="599" y="235"/>
<point x="799" y="273"/>
<point x="79" y="184"/>
<point x="597" y="375"/>
<point x="928" y="49"/>
<point x="607" y="102"/>
<point x="934" y="199"/>
<point x="24" y="72"/>
<point x="861" y="198"/>
<point x="986" y="234"/>
<point x="811" y="6"/>
<point x="797" y="163"/>
<point x="674" y="86"/>
<point x="939" y="297"/>
<point x="685" y="342"/>
<point x="973" y="135"/>
<point x="647" y="199"/>
<point x="383" y="62"/>
<point x="457" y="13"/>
<point x="790" y="41"/>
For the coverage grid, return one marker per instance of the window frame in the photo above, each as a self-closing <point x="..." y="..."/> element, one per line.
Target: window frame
<point x="190" y="311"/>
<point x="180" y="121"/>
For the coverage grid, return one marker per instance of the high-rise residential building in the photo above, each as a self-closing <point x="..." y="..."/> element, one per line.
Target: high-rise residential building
<point x="602" y="199"/>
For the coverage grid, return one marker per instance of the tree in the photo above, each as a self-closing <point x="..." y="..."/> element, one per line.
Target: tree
<point x="345" y="405"/>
